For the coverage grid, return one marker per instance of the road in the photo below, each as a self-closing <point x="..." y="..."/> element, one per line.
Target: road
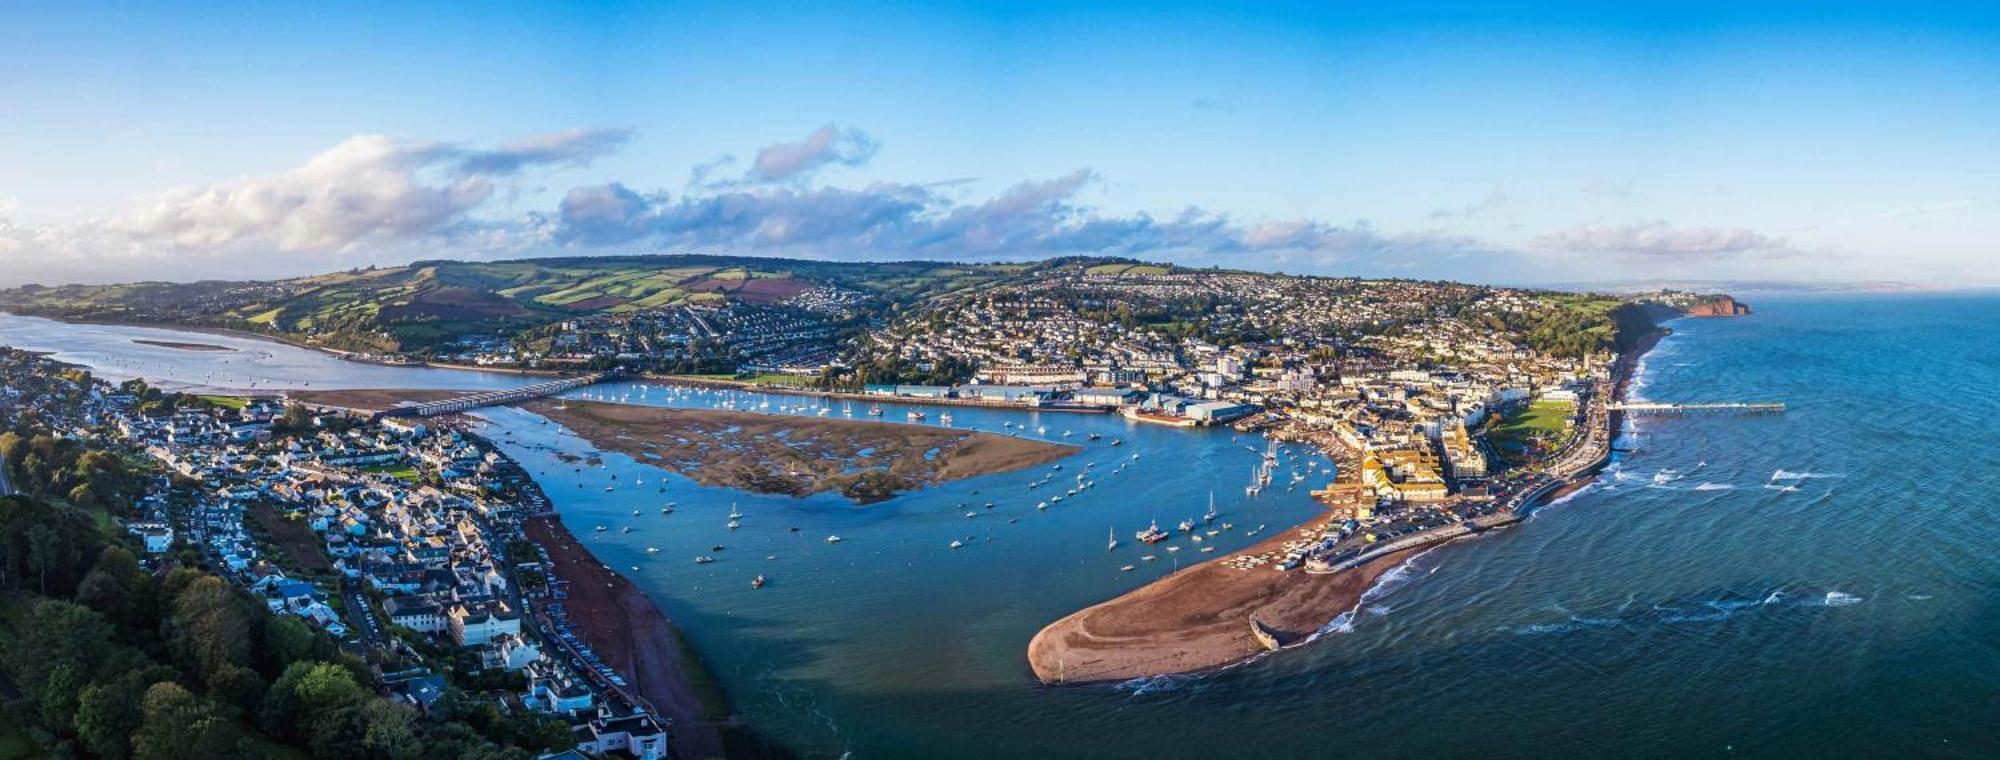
<point x="361" y="617"/>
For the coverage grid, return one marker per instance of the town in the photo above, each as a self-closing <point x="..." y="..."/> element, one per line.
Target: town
<point x="401" y="540"/>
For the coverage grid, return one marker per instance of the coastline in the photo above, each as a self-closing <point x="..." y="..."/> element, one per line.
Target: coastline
<point x="744" y="385"/>
<point x="636" y="638"/>
<point x="1199" y="619"/>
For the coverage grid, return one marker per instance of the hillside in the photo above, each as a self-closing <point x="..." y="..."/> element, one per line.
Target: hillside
<point x="424" y="304"/>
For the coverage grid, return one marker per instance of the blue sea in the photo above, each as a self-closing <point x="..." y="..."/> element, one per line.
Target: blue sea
<point x="1821" y="582"/>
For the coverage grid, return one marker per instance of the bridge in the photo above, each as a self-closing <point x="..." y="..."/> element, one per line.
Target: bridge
<point x="495" y="398"/>
<point x="1648" y="407"/>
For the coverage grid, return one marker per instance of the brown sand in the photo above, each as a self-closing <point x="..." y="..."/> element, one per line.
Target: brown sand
<point x="633" y="636"/>
<point x="792" y="454"/>
<point x="1197" y="619"/>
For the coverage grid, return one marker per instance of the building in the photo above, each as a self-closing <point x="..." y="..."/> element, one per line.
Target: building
<point x="480" y="623"/>
<point x="637" y="734"/>
<point x="415" y="613"/>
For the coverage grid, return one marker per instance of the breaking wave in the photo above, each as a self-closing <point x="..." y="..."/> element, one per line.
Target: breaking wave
<point x="1708" y="609"/>
<point x="1715" y="487"/>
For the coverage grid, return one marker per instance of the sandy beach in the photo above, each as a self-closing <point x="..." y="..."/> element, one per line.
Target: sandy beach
<point x="1159" y="628"/>
<point x="796" y="455"/>
<point x="624" y="626"/>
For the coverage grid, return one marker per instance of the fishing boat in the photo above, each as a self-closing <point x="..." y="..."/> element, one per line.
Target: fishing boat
<point x="1207" y="549"/>
<point x="914" y="415"/>
<point x="1043" y="505"/>
<point x="734" y="524"/>
<point x="626" y="529"/>
<point x="1092" y="437"/>
<point x="601" y="529"/>
<point x="955" y="543"/>
<point x="1186" y="526"/>
<point x="1125" y="569"/>
<point x="757" y="582"/>
<point x="833" y="539"/>
<point x="874" y="411"/>
<point x="1117" y="441"/>
<point x="1152" y="534"/>
<point x="652" y="550"/>
<point x="703" y="559"/>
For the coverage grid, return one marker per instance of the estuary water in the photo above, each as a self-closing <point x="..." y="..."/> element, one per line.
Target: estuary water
<point x="1820" y="582"/>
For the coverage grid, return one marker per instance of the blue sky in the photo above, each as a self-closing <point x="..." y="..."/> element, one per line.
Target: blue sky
<point x="1525" y="143"/>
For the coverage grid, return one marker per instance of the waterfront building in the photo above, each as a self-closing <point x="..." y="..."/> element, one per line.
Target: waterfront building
<point x="479" y="623"/>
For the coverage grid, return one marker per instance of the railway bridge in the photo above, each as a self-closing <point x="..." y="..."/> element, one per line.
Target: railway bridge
<point x="495" y="398"/>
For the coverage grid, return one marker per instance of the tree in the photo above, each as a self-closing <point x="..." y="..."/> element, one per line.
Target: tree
<point x="108" y="714"/>
<point x="211" y="627"/>
<point x="287" y="640"/>
<point x="115" y="586"/>
<point x="391" y="729"/>
<point x="177" y="724"/>
<point x="56" y="633"/>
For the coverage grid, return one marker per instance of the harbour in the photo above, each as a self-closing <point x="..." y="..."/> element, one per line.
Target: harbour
<point x="1672" y="549"/>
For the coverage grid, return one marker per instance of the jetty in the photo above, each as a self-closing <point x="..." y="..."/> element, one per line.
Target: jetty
<point x="1651" y="407"/>
<point x="496" y="398"/>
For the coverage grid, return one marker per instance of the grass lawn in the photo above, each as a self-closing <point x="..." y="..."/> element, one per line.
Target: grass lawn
<point x="1522" y="424"/>
<point x="227" y="402"/>
<point x="401" y="470"/>
<point x="770" y="378"/>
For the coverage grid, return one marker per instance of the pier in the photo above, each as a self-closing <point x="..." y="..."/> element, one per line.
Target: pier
<point x="495" y="398"/>
<point x="1649" y="407"/>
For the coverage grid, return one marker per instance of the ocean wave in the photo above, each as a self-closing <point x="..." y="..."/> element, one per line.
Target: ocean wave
<point x="1709" y="609"/>
<point x="1666" y="476"/>
<point x="1783" y="488"/>
<point x="1789" y="475"/>
<point x="1154" y="684"/>
<point x="1715" y="487"/>
<point x="1344" y="622"/>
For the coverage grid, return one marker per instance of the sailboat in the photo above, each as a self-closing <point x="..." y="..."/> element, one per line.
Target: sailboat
<point x="1113" y="542"/>
<point x="1210" y="517"/>
<point x="733" y="514"/>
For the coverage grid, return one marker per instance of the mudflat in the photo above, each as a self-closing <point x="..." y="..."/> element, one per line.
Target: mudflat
<point x="768" y="453"/>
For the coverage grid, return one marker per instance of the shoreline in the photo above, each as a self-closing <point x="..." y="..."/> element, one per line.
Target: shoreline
<point x="745" y="385"/>
<point x="1123" y="637"/>
<point x="635" y="637"/>
<point x="756" y="452"/>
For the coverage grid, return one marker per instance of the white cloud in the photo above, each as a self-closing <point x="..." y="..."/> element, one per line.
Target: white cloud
<point x="796" y="161"/>
<point x="1661" y="240"/>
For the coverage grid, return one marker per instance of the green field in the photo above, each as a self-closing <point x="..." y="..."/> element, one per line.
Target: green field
<point x="1512" y="434"/>
<point x="227" y="402"/>
<point x="399" y="470"/>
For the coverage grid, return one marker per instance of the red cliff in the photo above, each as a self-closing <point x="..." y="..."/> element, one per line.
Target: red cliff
<point x="1718" y="306"/>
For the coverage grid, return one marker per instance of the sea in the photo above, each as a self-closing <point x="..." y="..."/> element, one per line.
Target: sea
<point x="1817" y="582"/>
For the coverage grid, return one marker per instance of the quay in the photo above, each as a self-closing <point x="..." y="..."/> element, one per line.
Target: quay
<point x="495" y="398"/>
<point x="1649" y="407"/>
